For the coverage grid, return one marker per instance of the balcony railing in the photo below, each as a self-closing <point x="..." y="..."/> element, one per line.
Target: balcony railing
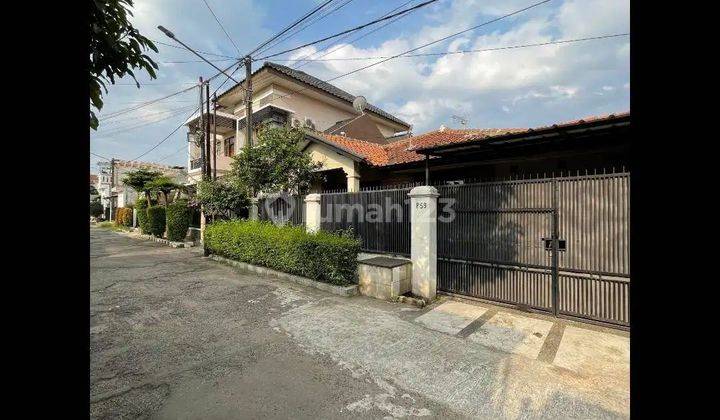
<point x="196" y="163"/>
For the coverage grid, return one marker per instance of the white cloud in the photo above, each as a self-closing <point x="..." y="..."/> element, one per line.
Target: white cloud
<point x="508" y="88"/>
<point x="547" y="83"/>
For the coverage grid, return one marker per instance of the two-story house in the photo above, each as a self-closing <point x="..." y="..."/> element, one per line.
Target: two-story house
<point x="282" y="95"/>
<point x="368" y="147"/>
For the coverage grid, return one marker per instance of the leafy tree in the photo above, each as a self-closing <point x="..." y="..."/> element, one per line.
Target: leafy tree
<point x="162" y="186"/>
<point x="141" y="181"/>
<point x="93" y="190"/>
<point x="276" y="163"/>
<point x="116" y="48"/>
<point x="220" y="198"/>
<point x="96" y="209"/>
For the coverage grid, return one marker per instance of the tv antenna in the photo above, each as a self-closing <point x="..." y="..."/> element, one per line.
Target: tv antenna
<point x="461" y="119"/>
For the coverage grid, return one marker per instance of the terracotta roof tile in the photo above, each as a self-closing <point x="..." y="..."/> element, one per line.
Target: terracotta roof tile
<point x="440" y="140"/>
<point x="372" y="152"/>
<point x="405" y="151"/>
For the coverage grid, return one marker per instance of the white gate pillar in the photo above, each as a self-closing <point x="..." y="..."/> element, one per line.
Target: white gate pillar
<point x="423" y="240"/>
<point x="254" y="208"/>
<point x="312" y="213"/>
<point x="134" y="217"/>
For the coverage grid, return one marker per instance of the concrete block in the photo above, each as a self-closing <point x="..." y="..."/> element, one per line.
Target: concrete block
<point x="383" y="278"/>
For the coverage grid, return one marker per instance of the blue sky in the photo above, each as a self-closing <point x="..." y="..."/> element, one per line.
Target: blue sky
<point x="509" y="88"/>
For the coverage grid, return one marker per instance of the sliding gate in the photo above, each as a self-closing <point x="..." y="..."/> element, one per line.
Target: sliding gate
<point x="558" y="245"/>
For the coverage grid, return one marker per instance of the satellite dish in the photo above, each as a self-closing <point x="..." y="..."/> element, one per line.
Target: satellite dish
<point x="359" y="103"/>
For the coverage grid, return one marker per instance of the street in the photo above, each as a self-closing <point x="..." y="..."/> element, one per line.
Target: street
<point x="175" y="335"/>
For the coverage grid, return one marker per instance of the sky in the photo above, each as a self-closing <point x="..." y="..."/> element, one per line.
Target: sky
<point x="522" y="87"/>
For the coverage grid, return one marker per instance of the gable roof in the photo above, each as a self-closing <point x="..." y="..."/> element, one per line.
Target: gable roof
<point x="313" y="81"/>
<point x="407" y="150"/>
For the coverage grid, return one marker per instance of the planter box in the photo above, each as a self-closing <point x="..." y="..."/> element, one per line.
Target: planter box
<point x="384" y="278"/>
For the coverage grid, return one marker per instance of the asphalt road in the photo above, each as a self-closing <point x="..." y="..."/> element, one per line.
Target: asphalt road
<point x="175" y="335"/>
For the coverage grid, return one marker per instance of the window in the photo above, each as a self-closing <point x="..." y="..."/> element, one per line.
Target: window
<point x="230" y="146"/>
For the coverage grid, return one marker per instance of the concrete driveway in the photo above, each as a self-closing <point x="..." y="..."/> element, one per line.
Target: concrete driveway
<point x="175" y="335"/>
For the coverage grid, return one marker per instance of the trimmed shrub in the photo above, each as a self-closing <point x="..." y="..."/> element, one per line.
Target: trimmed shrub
<point x="96" y="209"/>
<point x="124" y="216"/>
<point x="156" y="220"/>
<point x="141" y="205"/>
<point x="178" y="220"/>
<point x="323" y="256"/>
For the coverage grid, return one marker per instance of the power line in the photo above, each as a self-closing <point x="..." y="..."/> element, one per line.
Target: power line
<point x="119" y="130"/>
<point x="158" y="84"/>
<point x="298" y="21"/>
<point x="197" y="61"/>
<point x="101" y="157"/>
<point x="441" y="39"/>
<point x="296" y="66"/>
<point x="183" y="147"/>
<point x="165" y="111"/>
<point x="181" y="48"/>
<point x="222" y="27"/>
<point x="183" y="123"/>
<point x="307" y="25"/>
<point x="168" y="136"/>
<point x="416" y="48"/>
<point x="294" y="24"/>
<point x="144" y="104"/>
<point x="565" y="41"/>
<point x="357" y="28"/>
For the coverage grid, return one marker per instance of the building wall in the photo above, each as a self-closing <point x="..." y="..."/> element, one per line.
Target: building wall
<point x="323" y="115"/>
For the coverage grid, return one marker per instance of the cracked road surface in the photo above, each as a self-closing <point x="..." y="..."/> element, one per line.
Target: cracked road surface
<point x="175" y="335"/>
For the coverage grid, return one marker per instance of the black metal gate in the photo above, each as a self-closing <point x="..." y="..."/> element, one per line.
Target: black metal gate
<point x="558" y="245"/>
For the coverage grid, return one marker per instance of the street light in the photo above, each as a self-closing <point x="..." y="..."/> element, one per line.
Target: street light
<point x="172" y="36"/>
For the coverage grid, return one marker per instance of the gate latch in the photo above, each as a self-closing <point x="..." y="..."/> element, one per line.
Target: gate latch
<point x="562" y="244"/>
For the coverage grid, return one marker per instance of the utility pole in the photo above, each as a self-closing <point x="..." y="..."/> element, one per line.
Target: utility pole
<point x="207" y="126"/>
<point x="214" y="148"/>
<point x="112" y="184"/>
<point x="200" y="131"/>
<point x="248" y="101"/>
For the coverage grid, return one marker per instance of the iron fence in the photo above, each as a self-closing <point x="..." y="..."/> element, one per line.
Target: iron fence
<point x="555" y="244"/>
<point x="381" y="219"/>
<point x="282" y="209"/>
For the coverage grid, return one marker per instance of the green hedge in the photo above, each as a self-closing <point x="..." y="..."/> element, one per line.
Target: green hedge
<point x="96" y="209"/>
<point x="178" y="220"/>
<point x="141" y="205"/>
<point x="156" y="220"/>
<point x="324" y="256"/>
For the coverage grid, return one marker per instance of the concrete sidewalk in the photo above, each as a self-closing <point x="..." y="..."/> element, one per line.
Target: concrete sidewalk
<point x="175" y="335"/>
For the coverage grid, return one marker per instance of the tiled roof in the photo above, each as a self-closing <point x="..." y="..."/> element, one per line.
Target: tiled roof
<point x="405" y="151"/>
<point x="373" y="153"/>
<point x="93" y="179"/>
<point x="484" y="134"/>
<point x="324" y="86"/>
<point x="146" y="165"/>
